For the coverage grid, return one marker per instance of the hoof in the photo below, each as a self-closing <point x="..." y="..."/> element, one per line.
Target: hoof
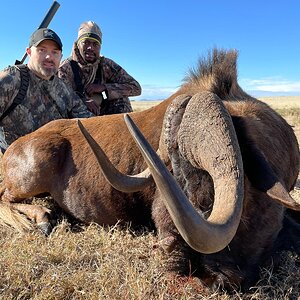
<point x="45" y="228"/>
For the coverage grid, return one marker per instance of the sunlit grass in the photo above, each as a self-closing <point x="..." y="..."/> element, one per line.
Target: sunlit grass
<point x="142" y="105"/>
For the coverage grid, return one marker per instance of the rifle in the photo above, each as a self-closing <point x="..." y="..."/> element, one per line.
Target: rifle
<point x="47" y="19"/>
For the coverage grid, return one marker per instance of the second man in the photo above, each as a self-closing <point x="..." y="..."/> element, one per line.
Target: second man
<point x="103" y="85"/>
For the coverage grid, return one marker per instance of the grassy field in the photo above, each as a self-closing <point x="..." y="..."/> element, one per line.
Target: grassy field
<point x="142" y="105"/>
<point x="92" y="262"/>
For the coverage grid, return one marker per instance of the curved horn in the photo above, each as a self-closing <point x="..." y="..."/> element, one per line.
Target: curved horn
<point x="121" y="182"/>
<point x="215" y="233"/>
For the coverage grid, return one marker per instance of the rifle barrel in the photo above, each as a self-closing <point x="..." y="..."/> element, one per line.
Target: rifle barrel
<point x="50" y="14"/>
<point x="46" y="21"/>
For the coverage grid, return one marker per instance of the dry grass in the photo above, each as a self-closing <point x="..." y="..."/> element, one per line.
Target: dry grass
<point x="93" y="262"/>
<point x="142" y="105"/>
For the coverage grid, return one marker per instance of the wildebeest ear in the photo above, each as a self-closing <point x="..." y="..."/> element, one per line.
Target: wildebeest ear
<point x="258" y="169"/>
<point x="279" y="193"/>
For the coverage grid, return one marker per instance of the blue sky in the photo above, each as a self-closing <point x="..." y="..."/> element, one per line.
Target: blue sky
<point x="157" y="41"/>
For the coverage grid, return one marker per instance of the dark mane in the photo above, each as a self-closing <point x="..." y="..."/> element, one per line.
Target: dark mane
<point x="216" y="72"/>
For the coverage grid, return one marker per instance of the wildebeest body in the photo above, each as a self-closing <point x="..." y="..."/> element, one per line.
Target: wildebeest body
<point x="56" y="159"/>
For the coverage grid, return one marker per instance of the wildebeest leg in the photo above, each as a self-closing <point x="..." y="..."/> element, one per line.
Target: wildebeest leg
<point x="35" y="213"/>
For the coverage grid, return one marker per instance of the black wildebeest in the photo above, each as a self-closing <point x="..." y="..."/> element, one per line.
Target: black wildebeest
<point x="234" y="160"/>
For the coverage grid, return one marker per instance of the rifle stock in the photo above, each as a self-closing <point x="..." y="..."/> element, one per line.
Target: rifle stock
<point x="46" y="21"/>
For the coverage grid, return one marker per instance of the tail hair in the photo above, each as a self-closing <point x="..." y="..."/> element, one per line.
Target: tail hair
<point x="10" y="217"/>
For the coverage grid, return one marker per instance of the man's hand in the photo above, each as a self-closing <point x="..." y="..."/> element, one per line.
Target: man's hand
<point x="92" y="106"/>
<point x="94" y="88"/>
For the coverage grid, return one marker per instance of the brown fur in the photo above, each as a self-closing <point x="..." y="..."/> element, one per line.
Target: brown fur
<point x="56" y="159"/>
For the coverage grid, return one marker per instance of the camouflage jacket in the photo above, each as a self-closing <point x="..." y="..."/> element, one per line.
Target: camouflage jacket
<point x="45" y="100"/>
<point x="118" y="83"/>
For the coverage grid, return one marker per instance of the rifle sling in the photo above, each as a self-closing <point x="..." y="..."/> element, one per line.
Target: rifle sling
<point x="78" y="79"/>
<point x="24" y="74"/>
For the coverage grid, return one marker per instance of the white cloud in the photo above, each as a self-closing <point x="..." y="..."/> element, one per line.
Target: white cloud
<point x="272" y="85"/>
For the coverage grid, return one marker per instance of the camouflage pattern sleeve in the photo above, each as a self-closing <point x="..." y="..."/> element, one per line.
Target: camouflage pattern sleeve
<point x="118" y="82"/>
<point x="45" y="100"/>
<point x="76" y="107"/>
<point x="66" y="74"/>
<point x="79" y="109"/>
<point x="10" y="82"/>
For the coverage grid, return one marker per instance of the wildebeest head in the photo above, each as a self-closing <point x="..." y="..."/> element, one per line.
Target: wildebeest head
<point x="193" y="125"/>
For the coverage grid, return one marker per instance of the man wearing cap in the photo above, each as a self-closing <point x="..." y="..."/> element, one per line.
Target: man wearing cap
<point x="102" y="84"/>
<point x="47" y="97"/>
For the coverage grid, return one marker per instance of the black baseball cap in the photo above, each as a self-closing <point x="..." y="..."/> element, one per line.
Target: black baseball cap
<point x="44" y="34"/>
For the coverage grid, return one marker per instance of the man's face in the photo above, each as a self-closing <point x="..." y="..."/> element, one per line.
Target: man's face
<point x="44" y="58"/>
<point x="89" y="49"/>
